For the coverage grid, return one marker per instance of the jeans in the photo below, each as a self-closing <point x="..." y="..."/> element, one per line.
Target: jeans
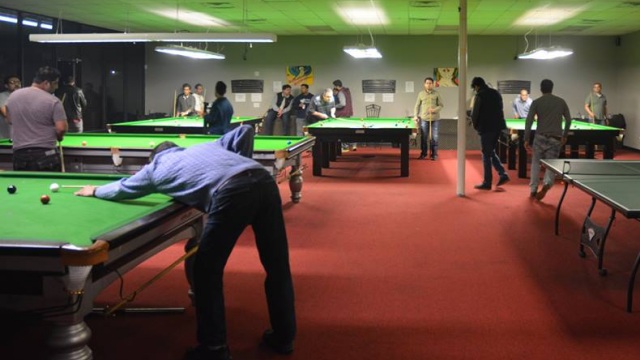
<point x="488" y="142"/>
<point x="36" y="159"/>
<point x="250" y="198"/>
<point x="544" y="147"/>
<point x="425" y="144"/>
<point x="300" y="124"/>
<point x="270" y="121"/>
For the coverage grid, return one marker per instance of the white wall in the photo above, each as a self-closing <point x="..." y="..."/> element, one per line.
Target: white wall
<point x="408" y="58"/>
<point x="628" y="85"/>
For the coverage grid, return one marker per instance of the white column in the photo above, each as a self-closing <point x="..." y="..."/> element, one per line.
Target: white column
<point x="462" y="96"/>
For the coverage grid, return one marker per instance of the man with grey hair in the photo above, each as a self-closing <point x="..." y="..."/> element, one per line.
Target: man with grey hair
<point x="521" y="105"/>
<point x="322" y="107"/>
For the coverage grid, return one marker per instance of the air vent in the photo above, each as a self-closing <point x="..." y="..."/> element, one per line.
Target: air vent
<point x="591" y="21"/>
<point x="418" y="19"/>
<point x="576" y="28"/>
<point x="445" y="28"/>
<point x="320" y="28"/>
<point x="425" y="4"/>
<point x="219" y="5"/>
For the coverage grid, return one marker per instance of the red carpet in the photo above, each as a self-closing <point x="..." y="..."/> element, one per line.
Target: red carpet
<point x="402" y="268"/>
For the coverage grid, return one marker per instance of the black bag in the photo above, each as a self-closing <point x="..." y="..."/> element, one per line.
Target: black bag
<point x="617" y="120"/>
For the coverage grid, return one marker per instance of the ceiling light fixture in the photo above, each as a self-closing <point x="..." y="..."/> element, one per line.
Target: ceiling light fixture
<point x="362" y="51"/>
<point x="546" y="53"/>
<point x="151" y="37"/>
<point x="189" y="52"/>
<point x="543" y="53"/>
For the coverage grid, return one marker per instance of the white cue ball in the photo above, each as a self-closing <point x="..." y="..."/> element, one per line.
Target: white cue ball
<point x="54" y="187"/>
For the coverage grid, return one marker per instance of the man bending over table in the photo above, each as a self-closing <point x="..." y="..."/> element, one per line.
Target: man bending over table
<point x="221" y="179"/>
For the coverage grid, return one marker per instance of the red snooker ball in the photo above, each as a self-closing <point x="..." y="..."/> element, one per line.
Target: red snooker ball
<point x="44" y="199"/>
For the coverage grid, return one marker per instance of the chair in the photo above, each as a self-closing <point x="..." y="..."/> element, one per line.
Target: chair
<point x="373" y="111"/>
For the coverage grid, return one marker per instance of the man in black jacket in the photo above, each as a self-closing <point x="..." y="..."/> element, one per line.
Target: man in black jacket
<point x="73" y="101"/>
<point x="488" y="119"/>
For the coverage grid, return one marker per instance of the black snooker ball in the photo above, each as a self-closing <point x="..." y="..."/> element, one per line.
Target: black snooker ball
<point x="12" y="189"/>
<point x="44" y="199"/>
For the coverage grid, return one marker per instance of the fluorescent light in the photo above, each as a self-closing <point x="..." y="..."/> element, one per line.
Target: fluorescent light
<point x="150" y="37"/>
<point x="9" y="19"/>
<point x="189" y="52"/>
<point x="542" y="53"/>
<point x="30" y="23"/>
<point x="46" y="26"/>
<point x="362" y="52"/>
<point x="192" y="17"/>
<point x="363" y="15"/>
<point x="547" y="15"/>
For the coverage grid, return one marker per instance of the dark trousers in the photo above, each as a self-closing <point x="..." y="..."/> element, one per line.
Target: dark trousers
<point x="488" y="142"/>
<point x="270" y="122"/>
<point x="250" y="198"/>
<point x="36" y="159"/>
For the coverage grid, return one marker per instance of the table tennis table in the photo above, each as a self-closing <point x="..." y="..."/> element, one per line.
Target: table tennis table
<point x="615" y="183"/>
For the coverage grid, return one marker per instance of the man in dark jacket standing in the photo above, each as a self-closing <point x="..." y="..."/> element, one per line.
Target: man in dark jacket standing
<point x="74" y="102"/>
<point x="488" y="119"/>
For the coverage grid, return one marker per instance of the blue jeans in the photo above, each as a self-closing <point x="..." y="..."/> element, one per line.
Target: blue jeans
<point x="425" y="144"/>
<point x="250" y="198"/>
<point x="488" y="142"/>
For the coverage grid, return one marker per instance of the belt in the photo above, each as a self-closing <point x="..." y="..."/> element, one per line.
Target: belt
<point x="552" y="136"/>
<point x="242" y="174"/>
<point x="45" y="151"/>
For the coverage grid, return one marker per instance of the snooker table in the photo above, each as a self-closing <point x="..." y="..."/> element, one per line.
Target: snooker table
<point x="56" y="258"/>
<point x="128" y="153"/>
<point x="174" y="125"/>
<point x="329" y="133"/>
<point x="581" y="134"/>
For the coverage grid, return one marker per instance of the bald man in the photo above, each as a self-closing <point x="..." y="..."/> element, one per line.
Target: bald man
<point x="521" y="105"/>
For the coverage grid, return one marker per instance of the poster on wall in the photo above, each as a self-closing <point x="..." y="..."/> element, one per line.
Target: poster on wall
<point x="299" y="74"/>
<point x="446" y="76"/>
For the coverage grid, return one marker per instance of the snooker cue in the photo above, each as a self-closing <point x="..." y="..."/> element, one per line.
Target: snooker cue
<point x="133" y="294"/>
<point x="61" y="157"/>
<point x="175" y="102"/>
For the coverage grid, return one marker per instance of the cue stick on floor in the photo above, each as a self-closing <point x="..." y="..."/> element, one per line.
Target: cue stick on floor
<point x="61" y="157"/>
<point x="133" y="294"/>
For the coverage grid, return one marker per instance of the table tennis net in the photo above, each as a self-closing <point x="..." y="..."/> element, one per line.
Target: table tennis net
<point x="605" y="168"/>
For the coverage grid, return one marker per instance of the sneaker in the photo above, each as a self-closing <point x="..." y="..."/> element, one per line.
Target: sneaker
<point x="434" y="157"/>
<point x="503" y="180"/>
<point x="202" y="352"/>
<point x="483" y="186"/>
<point x="270" y="339"/>
<point x="540" y="195"/>
<point x="354" y="147"/>
<point x="422" y="157"/>
<point x="533" y="194"/>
